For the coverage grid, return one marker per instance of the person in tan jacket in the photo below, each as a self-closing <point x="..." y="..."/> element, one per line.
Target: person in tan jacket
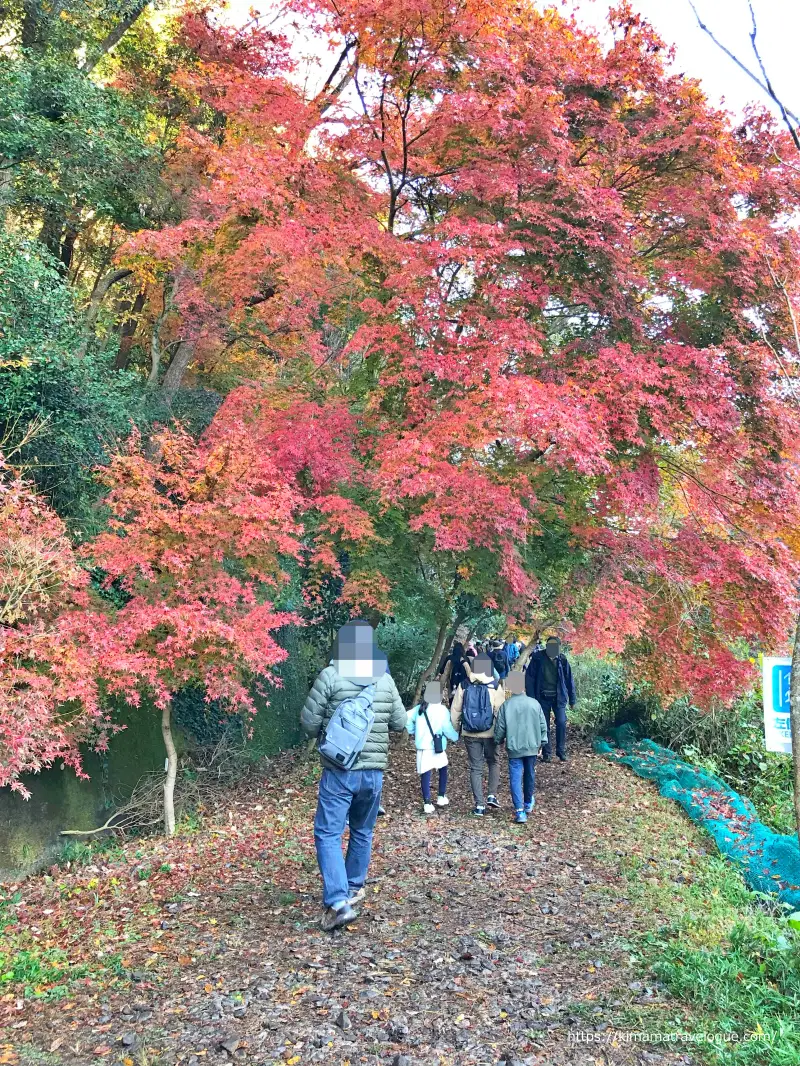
<point x="473" y="711"/>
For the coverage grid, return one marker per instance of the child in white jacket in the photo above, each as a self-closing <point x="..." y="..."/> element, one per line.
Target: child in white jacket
<point x="430" y="726"/>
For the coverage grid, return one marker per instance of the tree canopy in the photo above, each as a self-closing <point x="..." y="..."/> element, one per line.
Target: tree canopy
<point x="508" y="313"/>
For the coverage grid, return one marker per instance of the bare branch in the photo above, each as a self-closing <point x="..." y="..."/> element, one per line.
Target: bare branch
<point x="785" y="115"/>
<point x="337" y="67"/>
<point x="753" y="77"/>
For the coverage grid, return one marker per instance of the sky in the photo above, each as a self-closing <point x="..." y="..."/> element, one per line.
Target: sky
<point x="695" y="54"/>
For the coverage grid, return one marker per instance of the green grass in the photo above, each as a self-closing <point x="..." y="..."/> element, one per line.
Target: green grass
<point x="726" y="955"/>
<point x="42" y="974"/>
<point x="82" y="852"/>
<point x="31" y="970"/>
<point x="752" y="978"/>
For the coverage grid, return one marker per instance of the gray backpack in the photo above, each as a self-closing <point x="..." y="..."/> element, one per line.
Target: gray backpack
<point x="346" y="733"/>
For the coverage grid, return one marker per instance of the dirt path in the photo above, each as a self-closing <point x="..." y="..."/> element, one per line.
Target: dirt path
<point x="479" y="942"/>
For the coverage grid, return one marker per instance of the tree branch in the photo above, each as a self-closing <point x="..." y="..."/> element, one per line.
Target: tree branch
<point x="114" y="37"/>
<point x="785" y="115"/>
<point x="767" y="88"/>
<point x="329" y="92"/>
<point x="113" y="277"/>
<point x="99" y="293"/>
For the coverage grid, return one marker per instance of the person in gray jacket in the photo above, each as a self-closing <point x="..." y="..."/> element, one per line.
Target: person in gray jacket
<point x="521" y="724"/>
<point x="350" y="795"/>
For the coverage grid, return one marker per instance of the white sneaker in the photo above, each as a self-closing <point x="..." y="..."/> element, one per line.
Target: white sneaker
<point x="429" y="808"/>
<point x="442" y="801"/>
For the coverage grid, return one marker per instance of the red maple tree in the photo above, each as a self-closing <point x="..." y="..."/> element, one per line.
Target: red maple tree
<point x="56" y="653"/>
<point x="540" y="272"/>
<point x="198" y="541"/>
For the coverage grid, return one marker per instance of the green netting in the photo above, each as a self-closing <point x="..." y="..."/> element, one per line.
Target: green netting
<point x="769" y="861"/>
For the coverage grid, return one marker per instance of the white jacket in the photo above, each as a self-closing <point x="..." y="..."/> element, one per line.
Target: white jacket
<point x="439" y="717"/>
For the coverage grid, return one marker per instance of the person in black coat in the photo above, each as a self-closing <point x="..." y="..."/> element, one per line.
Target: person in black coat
<point x="548" y="679"/>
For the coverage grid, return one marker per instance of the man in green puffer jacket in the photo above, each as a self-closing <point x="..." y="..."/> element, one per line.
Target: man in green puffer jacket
<point x="350" y="795"/>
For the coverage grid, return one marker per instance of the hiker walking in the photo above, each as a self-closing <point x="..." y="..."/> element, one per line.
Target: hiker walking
<point x="499" y="657"/>
<point x="548" y="679"/>
<point x="475" y="704"/>
<point x="512" y="650"/>
<point x="522" y="726"/>
<point x="452" y="672"/>
<point x="351" y="708"/>
<point x="429" y="724"/>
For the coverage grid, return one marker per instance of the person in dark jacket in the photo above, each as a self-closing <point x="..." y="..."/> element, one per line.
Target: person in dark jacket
<point x="350" y="796"/>
<point x="548" y="679"/>
<point x="499" y="658"/>
<point x="480" y="745"/>
<point x="452" y="669"/>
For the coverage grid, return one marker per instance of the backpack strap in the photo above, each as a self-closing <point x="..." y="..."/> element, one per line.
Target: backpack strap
<point x="424" y="711"/>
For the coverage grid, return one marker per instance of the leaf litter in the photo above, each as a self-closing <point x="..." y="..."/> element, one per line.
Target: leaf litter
<point x="479" y="942"/>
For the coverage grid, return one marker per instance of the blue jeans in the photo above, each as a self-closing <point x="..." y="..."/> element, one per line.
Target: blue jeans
<point x="343" y="794"/>
<point x="560" y="714"/>
<point x="522" y="778"/>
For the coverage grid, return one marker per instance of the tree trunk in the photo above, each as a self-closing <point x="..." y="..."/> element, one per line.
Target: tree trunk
<point x="100" y="291"/>
<point x="447" y="647"/>
<point x="67" y="250"/>
<point x="51" y="232"/>
<point x="430" y="670"/>
<point x="794" y="721"/>
<point x="114" y="37"/>
<point x="29" y="35"/>
<point x="524" y="659"/>
<point x="155" y="358"/>
<point x="172" y="771"/>
<point x="127" y="333"/>
<point x="176" y="369"/>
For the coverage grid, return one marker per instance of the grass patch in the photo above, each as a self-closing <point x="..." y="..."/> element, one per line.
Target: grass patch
<point x="83" y="852"/>
<point x="727" y="955"/>
<point x="42" y="974"/>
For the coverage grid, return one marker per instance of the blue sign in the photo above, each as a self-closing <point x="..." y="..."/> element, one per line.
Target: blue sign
<point x="781" y="676"/>
<point x="777" y="673"/>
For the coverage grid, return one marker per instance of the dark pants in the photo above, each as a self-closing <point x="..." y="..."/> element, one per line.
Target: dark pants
<point x="425" y="783"/>
<point x="550" y="707"/>
<point x="345" y="795"/>
<point x="480" y="750"/>
<point x="522" y="779"/>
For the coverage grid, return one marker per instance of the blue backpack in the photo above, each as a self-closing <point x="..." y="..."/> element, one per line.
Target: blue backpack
<point x="477" y="715"/>
<point x="346" y="733"/>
